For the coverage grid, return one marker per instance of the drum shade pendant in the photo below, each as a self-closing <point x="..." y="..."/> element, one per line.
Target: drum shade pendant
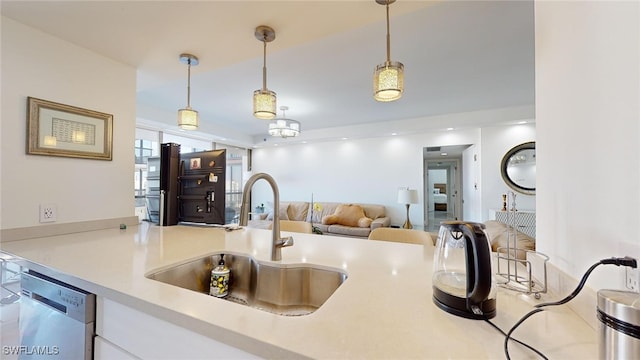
<point x="188" y="119"/>
<point x="388" y="78"/>
<point x="264" y="100"/>
<point x="284" y="127"/>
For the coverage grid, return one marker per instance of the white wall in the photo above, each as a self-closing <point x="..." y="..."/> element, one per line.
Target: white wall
<point x="472" y="183"/>
<point x="364" y="170"/>
<point x="587" y="113"/>
<point x="496" y="141"/>
<point x="371" y="170"/>
<point x="39" y="65"/>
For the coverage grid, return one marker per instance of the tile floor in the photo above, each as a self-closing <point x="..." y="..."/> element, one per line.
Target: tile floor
<point x="435" y="217"/>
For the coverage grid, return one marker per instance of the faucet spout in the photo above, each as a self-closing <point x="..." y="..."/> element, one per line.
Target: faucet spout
<point x="277" y="242"/>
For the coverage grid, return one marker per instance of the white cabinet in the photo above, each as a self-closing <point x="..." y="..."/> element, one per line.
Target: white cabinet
<point x="138" y="335"/>
<point x="104" y="350"/>
<point x="525" y="221"/>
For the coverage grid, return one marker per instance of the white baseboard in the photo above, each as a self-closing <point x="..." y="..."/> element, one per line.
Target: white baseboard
<point x="31" y="232"/>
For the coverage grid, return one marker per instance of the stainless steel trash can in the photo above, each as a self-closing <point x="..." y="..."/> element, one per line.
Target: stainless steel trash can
<point x="619" y="316"/>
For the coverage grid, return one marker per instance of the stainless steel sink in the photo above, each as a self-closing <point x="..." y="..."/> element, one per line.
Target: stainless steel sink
<point x="290" y="290"/>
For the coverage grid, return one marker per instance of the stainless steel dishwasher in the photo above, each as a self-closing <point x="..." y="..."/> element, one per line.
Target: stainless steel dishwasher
<point x="57" y="320"/>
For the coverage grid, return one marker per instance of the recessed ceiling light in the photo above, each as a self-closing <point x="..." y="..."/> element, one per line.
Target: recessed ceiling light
<point x="344" y="138"/>
<point x="449" y="129"/>
<point x="522" y="122"/>
<point x="443" y="154"/>
<point x="394" y="134"/>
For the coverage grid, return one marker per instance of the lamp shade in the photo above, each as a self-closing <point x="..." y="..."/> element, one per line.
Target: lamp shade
<point x="264" y="104"/>
<point x="188" y="119"/>
<point x="406" y="196"/>
<point x="284" y="128"/>
<point x="388" y="81"/>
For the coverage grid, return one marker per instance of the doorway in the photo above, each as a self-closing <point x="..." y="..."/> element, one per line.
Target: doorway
<point x="442" y="185"/>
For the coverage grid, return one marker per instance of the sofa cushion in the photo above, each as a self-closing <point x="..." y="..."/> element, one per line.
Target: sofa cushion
<point x="348" y="230"/>
<point x="298" y="210"/>
<point x="373" y="211"/>
<point x="323" y="228"/>
<point x="380" y="222"/>
<point x="284" y="215"/>
<point x="321" y="210"/>
<point x="348" y="215"/>
<point x="497" y="233"/>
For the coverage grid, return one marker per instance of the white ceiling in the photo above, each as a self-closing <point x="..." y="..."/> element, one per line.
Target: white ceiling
<point x="459" y="56"/>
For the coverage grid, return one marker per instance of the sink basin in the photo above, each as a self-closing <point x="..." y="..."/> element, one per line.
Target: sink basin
<point x="290" y="290"/>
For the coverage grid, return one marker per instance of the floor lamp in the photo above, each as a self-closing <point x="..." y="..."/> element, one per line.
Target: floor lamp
<point x="407" y="197"/>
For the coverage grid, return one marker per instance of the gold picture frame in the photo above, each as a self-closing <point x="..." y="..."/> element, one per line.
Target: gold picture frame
<point x="63" y="130"/>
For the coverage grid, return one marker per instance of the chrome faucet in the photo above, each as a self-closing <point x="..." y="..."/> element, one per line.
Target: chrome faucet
<point x="277" y="242"/>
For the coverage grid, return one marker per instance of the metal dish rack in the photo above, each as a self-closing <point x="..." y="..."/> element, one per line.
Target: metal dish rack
<point x="518" y="274"/>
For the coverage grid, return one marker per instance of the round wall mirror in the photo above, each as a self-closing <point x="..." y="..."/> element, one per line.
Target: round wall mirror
<point x="518" y="168"/>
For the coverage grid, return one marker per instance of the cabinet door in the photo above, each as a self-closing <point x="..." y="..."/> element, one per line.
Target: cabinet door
<point x="525" y="221"/>
<point x="148" y="337"/>
<point x="104" y="350"/>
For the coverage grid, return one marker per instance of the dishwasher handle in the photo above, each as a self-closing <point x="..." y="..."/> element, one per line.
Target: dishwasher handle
<point x="64" y="298"/>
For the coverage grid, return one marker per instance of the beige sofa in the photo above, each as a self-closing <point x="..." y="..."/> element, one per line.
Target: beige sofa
<point x="302" y="211"/>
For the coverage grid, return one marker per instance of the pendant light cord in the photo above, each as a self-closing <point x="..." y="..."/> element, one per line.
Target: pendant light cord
<point x="264" y="63"/>
<point x="388" y="37"/>
<point x="189" y="84"/>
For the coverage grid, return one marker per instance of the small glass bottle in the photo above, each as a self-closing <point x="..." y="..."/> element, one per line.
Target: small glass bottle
<point x="220" y="279"/>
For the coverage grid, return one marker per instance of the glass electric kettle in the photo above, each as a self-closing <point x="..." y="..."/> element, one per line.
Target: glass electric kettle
<point x="462" y="275"/>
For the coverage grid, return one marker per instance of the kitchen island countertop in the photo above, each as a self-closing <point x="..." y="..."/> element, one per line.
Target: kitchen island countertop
<point x="383" y="310"/>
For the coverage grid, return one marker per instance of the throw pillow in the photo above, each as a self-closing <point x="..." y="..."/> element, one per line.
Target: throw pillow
<point x="348" y="215"/>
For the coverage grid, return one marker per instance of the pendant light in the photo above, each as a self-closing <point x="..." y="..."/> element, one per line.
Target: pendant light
<point x="388" y="78"/>
<point x="264" y="100"/>
<point x="284" y="127"/>
<point x="188" y="119"/>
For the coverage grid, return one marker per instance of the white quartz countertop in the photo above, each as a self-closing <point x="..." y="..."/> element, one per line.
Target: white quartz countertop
<point x="383" y="310"/>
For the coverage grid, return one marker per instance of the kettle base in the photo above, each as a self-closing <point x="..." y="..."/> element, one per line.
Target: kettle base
<point x="458" y="306"/>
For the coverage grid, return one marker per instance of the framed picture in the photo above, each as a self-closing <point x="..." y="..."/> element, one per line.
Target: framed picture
<point x="62" y="130"/>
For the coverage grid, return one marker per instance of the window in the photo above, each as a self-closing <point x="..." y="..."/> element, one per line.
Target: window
<point x="143" y="150"/>
<point x="233" y="186"/>
<point x="147" y="144"/>
<point x="187" y="145"/>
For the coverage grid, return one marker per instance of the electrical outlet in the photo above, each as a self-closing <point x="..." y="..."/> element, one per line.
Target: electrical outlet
<point x="48" y="213"/>
<point x="632" y="278"/>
